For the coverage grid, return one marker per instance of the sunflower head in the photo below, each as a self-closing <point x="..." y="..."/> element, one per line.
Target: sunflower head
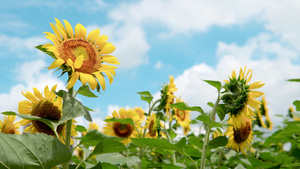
<point x="8" y="126"/>
<point x="125" y="131"/>
<point x="240" y="138"/>
<point x="81" y="55"/>
<point x="140" y="112"/>
<point x="182" y="116"/>
<point x="153" y="126"/>
<point x="239" y="95"/>
<point x="290" y="111"/>
<point x="48" y="107"/>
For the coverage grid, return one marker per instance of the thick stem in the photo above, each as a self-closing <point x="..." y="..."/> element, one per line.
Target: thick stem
<point x="68" y="135"/>
<point x="220" y="158"/>
<point x="207" y="132"/>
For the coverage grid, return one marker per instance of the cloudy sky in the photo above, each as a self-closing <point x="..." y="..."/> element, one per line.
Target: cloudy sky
<point x="189" y="39"/>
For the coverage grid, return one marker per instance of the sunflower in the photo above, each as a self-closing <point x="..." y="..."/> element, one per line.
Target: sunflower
<point x="240" y="98"/>
<point x="80" y="55"/>
<point x="259" y="120"/>
<point x="269" y="123"/>
<point x="140" y="112"/>
<point x="48" y="106"/>
<point x="91" y="127"/>
<point x="186" y="129"/>
<point x="154" y="126"/>
<point x="8" y="126"/>
<point x="125" y="131"/>
<point x="240" y="138"/>
<point x="291" y="111"/>
<point x="182" y="116"/>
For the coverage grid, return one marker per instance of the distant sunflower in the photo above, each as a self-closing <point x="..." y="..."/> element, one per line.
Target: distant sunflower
<point x="140" y="112"/>
<point x="125" y="131"/>
<point x="48" y="106"/>
<point x="259" y="120"/>
<point x="291" y="111"/>
<point x="186" y="129"/>
<point x="240" y="138"/>
<point x="91" y="127"/>
<point x="8" y="126"/>
<point x="81" y="55"/>
<point x="182" y="116"/>
<point x="269" y="123"/>
<point x="242" y="98"/>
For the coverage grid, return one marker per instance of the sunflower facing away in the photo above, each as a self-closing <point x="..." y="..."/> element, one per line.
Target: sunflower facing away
<point x="8" y="126"/>
<point x="152" y="126"/>
<point x="240" y="138"/>
<point x="81" y="55"/>
<point x="48" y="106"/>
<point x="125" y="131"/>
<point x="182" y="116"/>
<point x="242" y="97"/>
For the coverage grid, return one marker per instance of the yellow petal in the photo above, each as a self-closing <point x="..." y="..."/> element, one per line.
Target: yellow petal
<point x="110" y="59"/>
<point x="253" y="102"/>
<point x="30" y="97"/>
<point x="256" y="85"/>
<point x="108" y="48"/>
<point x="78" y="62"/>
<point x="101" y="80"/>
<point x="56" y="63"/>
<point x="69" y="28"/>
<point x="92" y="82"/>
<point x="100" y="41"/>
<point x="93" y="35"/>
<point x="47" y="93"/>
<point x="73" y="80"/>
<point x="110" y="77"/>
<point x="233" y="75"/>
<point x="55" y="30"/>
<point x="38" y="94"/>
<point x="29" y="128"/>
<point x="255" y="94"/>
<point x="24" y="122"/>
<point x="52" y="37"/>
<point x="52" y="94"/>
<point x="80" y="31"/>
<point x="84" y="78"/>
<point x="61" y="29"/>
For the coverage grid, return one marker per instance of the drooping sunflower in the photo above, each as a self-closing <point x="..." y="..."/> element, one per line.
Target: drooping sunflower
<point x="240" y="138"/>
<point x="8" y="126"/>
<point x="259" y="120"/>
<point x="48" y="106"/>
<point x="81" y="55"/>
<point x="182" y="116"/>
<point x="240" y="98"/>
<point x="125" y="131"/>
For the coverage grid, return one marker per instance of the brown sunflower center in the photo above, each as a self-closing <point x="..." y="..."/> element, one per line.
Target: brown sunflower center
<point x="8" y="128"/>
<point x="122" y="130"/>
<point x="241" y="134"/>
<point x="47" y="110"/>
<point x="152" y="129"/>
<point x="181" y="114"/>
<point x="73" y="48"/>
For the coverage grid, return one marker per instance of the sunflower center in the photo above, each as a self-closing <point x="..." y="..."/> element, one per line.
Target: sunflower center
<point x="122" y="130"/>
<point x="73" y="48"/>
<point x="152" y="129"/>
<point x="241" y="134"/>
<point x="8" y="128"/>
<point x="47" y="110"/>
<point x="181" y="114"/>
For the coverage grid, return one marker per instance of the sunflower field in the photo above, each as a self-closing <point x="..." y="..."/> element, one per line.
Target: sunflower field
<point x="236" y="133"/>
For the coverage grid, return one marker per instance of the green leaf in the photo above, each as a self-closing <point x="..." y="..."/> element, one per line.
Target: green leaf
<point x="72" y="109"/>
<point x="193" y="152"/>
<point x="258" y="163"/>
<point x="221" y="110"/>
<point x="171" y="166"/>
<point x="205" y="119"/>
<point x="80" y="128"/>
<point x="296" y="114"/>
<point x="109" y="146"/>
<point x="291" y="165"/>
<point x="146" y="96"/>
<point x="160" y="143"/>
<point x="183" y="106"/>
<point x="107" y="166"/>
<point x="294" y="80"/>
<point x="122" y="121"/>
<point x="289" y="130"/>
<point x="93" y="137"/>
<point x="85" y="91"/>
<point x="40" y="47"/>
<point x="215" y="84"/>
<point x="218" y="141"/>
<point x="196" y="141"/>
<point x="117" y="158"/>
<point x="32" y="151"/>
<point x="297" y="104"/>
<point x="172" y="133"/>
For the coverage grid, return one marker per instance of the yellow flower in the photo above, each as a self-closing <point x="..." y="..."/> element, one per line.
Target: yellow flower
<point x="140" y="112"/>
<point x="182" y="116"/>
<point x="217" y="133"/>
<point x="240" y="138"/>
<point x="186" y="129"/>
<point x="241" y="98"/>
<point x="48" y="106"/>
<point x="91" y="126"/>
<point x="170" y="97"/>
<point x="8" y="126"/>
<point x="151" y="125"/>
<point x="125" y="131"/>
<point x="269" y="123"/>
<point x="260" y="120"/>
<point x="291" y="110"/>
<point x="80" y="55"/>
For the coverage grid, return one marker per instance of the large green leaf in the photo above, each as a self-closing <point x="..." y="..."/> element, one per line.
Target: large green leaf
<point x="205" y="119"/>
<point x="85" y="91"/>
<point x="117" y="158"/>
<point x="93" y="137"/>
<point x="196" y="141"/>
<point x="32" y="151"/>
<point x="218" y="141"/>
<point x="215" y="84"/>
<point x="160" y="143"/>
<point x="122" y="121"/>
<point x="289" y="130"/>
<point x="72" y="108"/>
<point x="258" y="163"/>
<point x="109" y="146"/>
<point x="146" y="96"/>
<point x="183" y="106"/>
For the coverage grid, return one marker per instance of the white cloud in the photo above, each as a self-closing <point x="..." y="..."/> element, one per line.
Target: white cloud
<point x="158" y="65"/>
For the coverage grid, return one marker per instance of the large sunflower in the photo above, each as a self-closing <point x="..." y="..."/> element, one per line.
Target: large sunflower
<point x="240" y="138"/>
<point x="241" y="97"/>
<point x="125" y="131"/>
<point x="48" y="106"/>
<point x="81" y="55"/>
<point x="8" y="126"/>
<point x="182" y="116"/>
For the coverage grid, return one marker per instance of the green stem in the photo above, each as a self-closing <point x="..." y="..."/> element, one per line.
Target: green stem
<point x="191" y="159"/>
<point x="207" y="132"/>
<point x="220" y="158"/>
<point x="170" y="140"/>
<point x="80" y="163"/>
<point x="68" y="135"/>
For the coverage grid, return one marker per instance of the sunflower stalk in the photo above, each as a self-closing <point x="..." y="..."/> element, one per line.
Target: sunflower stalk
<point x="207" y="132"/>
<point x="68" y="134"/>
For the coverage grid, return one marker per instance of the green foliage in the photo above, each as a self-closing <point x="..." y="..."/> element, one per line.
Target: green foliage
<point x="40" y="47"/>
<point x="146" y="96"/>
<point x="93" y="137"/>
<point x="215" y="84"/>
<point x="183" y="106"/>
<point x="205" y="119"/>
<point x="122" y="121"/>
<point x="25" y="150"/>
<point x="85" y="91"/>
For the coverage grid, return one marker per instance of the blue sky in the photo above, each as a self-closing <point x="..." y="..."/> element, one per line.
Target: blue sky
<point x="191" y="40"/>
